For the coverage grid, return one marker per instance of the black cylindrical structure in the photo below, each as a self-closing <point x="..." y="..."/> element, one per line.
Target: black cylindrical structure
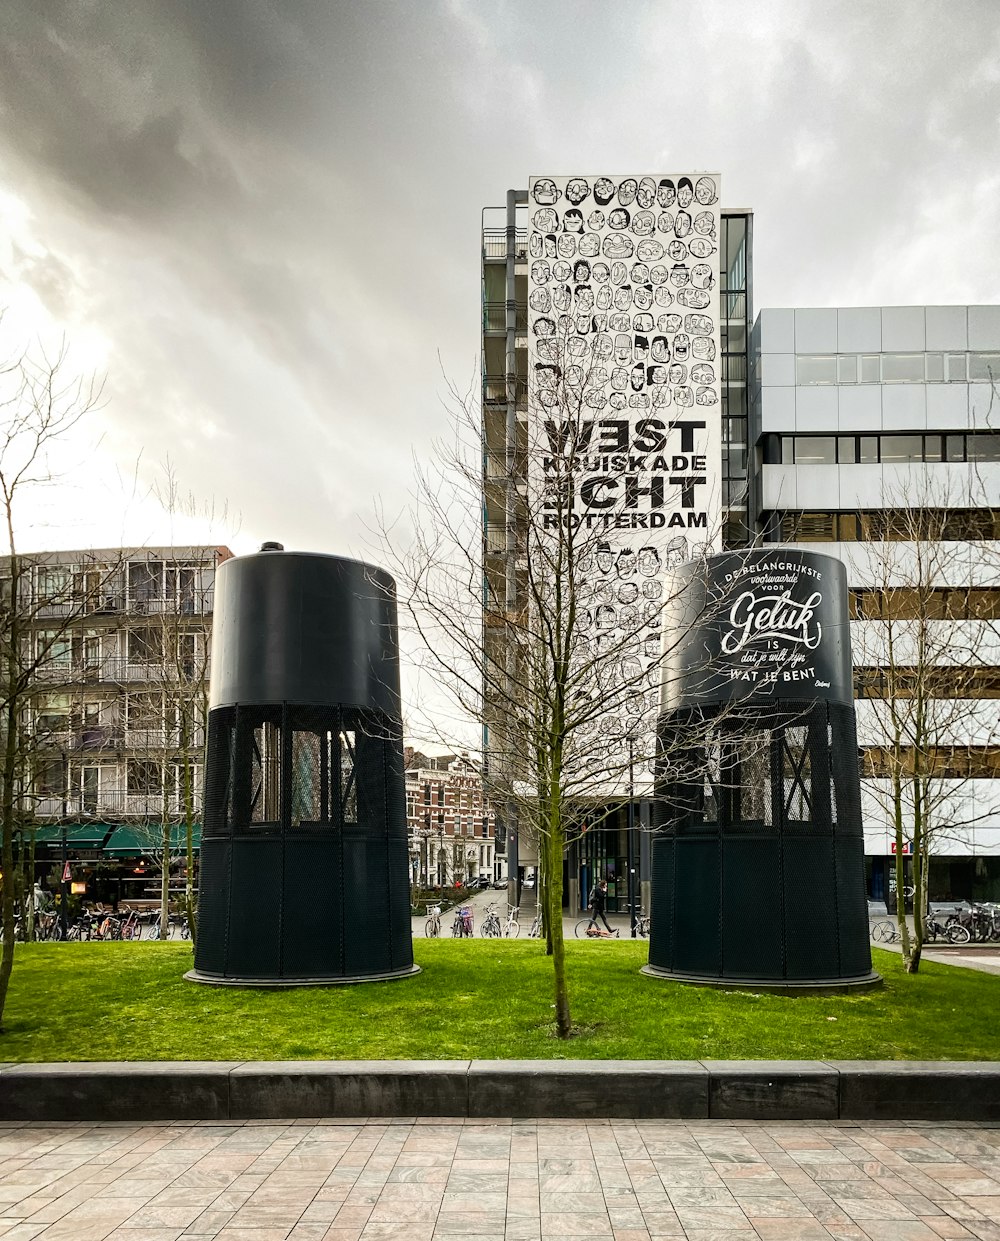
<point x="303" y="876"/>
<point x="758" y="867"/>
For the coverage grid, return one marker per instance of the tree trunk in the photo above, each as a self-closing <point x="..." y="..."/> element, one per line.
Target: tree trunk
<point x="165" y="882"/>
<point x="553" y="911"/>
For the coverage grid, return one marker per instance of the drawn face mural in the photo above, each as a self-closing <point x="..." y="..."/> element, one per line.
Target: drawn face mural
<point x="649" y="250"/>
<point x="623" y="320"/>
<point x="705" y="191"/>
<point x="643" y="223"/>
<point x="545" y="193"/>
<point x="604" y="191"/>
<point x="573" y="221"/>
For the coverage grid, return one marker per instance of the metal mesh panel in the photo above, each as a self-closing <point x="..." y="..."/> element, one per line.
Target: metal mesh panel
<point x="697" y="929"/>
<point x="253" y="948"/>
<point x="213" y="906"/>
<point x="812" y="947"/>
<point x="752" y="905"/>
<point x="661" y="903"/>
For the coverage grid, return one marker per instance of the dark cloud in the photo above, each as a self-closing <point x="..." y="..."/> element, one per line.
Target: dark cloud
<point x="270" y="208"/>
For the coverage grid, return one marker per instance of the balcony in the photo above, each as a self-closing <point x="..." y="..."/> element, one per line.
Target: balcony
<point x="495" y="316"/>
<point x="118" y="671"/>
<point x="495" y="244"/>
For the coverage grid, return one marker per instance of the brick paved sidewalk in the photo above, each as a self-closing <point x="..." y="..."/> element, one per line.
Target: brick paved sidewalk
<point x="509" y="1180"/>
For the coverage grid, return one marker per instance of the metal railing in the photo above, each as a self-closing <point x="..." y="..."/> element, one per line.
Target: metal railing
<point x="495" y="244"/>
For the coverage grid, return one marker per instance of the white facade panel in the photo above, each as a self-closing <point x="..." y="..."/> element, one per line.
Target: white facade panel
<point x="948" y="643"/>
<point x="904" y="407"/>
<point x="861" y="486"/>
<point x="903" y="329"/>
<point x="984" y="327"/>
<point x="777" y="331"/>
<point x="818" y="486"/>
<point x="984" y="405"/>
<point x="967" y="813"/>
<point x="947" y="327"/>
<point x="780" y="487"/>
<point x="777" y="409"/>
<point x="973" y="721"/>
<point x="859" y="330"/>
<point x="777" y="370"/>
<point x="947" y="407"/>
<point x="816" y="409"/>
<point x="815" y="331"/>
<point x="859" y="408"/>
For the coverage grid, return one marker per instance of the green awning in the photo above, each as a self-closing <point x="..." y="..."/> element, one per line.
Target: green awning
<point x="82" y="835"/>
<point x="135" y="841"/>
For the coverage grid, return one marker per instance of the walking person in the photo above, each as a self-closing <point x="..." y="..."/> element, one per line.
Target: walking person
<point x="598" y="909"/>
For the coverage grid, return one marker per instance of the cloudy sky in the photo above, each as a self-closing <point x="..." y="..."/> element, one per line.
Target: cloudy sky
<point x="260" y="218"/>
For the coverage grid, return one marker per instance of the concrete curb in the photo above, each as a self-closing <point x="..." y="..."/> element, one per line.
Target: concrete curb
<point x="582" y="1089"/>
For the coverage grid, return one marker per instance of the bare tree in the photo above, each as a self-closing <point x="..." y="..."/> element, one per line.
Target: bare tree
<point x="928" y="637"/>
<point x="563" y="676"/>
<point x="40" y="406"/>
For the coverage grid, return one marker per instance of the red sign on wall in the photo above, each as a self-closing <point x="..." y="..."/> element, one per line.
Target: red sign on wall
<point x="906" y="846"/>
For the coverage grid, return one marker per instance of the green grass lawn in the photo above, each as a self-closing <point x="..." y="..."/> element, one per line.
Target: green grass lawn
<point x="477" y="1000"/>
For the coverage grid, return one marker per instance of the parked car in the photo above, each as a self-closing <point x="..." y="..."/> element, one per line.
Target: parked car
<point x="480" y="881"/>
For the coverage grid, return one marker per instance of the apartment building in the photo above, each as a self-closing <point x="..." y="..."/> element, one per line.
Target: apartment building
<point x="117" y="642"/>
<point x="876" y="438"/>
<point x="450" y="822"/>
<point x="514" y="243"/>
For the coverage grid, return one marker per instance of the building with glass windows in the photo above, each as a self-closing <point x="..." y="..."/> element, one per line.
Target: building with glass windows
<point x="115" y="648"/>
<point x="875" y="436"/>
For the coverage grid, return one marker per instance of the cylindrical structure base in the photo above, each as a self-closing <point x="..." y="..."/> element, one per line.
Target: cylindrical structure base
<point x="222" y="980"/>
<point x="767" y="986"/>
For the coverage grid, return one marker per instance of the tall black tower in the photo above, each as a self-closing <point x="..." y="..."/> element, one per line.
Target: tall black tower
<point x="303" y="854"/>
<point x="758" y="868"/>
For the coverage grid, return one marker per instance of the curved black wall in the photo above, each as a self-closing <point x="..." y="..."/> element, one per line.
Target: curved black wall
<point x="304" y="853"/>
<point x="758" y="867"/>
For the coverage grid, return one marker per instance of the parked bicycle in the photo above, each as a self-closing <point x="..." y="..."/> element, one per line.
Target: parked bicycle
<point x="490" y="926"/>
<point x="462" y="927"/>
<point x="939" y="926"/>
<point x="512" y="929"/>
<point x="885" y="932"/>
<point x="537" y="928"/>
<point x="432" y="927"/>
<point x="641" y="922"/>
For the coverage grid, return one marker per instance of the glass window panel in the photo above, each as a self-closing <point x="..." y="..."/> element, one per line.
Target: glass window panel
<point x="954" y="447"/>
<point x="787" y="450"/>
<point x="847" y="368"/>
<point x="868" y="449"/>
<point x="870" y="369"/>
<point x="984" y="367"/>
<point x="932" y="447"/>
<point x="984" y="447"/>
<point x="902" y="448"/>
<point x="816" y="369"/>
<point x="956" y="368"/>
<point x="934" y="367"/>
<point x="815" y="450"/>
<point x="846" y="450"/>
<point x="902" y="368"/>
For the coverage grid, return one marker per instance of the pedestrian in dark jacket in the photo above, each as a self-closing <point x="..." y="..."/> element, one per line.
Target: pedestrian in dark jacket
<point x="598" y="908"/>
